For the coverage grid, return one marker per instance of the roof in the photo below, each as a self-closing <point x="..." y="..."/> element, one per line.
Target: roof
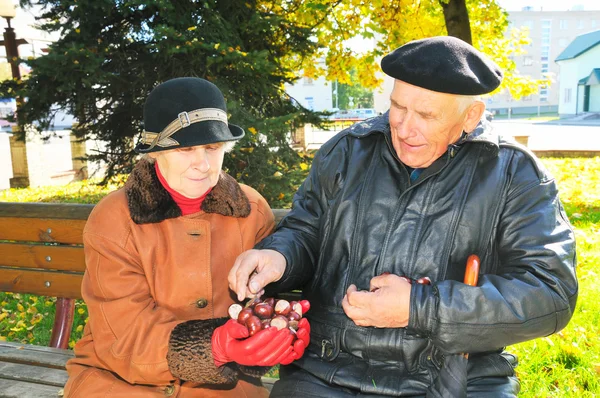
<point x="581" y="44"/>
<point x="592" y="79"/>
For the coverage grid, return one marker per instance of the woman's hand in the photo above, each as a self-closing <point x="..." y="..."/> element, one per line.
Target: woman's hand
<point x="269" y="347"/>
<point x="253" y="270"/>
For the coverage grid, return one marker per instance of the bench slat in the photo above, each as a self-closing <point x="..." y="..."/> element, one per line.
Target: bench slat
<point x="61" y="284"/>
<point x="35" y="355"/>
<point x="42" y="256"/>
<point x="20" y="389"/>
<point x="42" y="230"/>
<point x="33" y="374"/>
<point x="71" y="211"/>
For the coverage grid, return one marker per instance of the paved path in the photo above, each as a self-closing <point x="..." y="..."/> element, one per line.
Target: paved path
<point x="543" y="136"/>
<point x="551" y="136"/>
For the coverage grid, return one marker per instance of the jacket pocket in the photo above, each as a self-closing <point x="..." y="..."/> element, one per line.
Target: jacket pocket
<point x="324" y="340"/>
<point x="491" y="365"/>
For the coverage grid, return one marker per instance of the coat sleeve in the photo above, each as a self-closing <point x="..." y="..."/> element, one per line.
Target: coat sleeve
<point x="297" y="237"/>
<point x="534" y="290"/>
<point x="131" y="333"/>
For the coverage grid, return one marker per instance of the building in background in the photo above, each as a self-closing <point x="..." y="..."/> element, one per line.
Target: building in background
<point x="579" y="88"/>
<point x="314" y="94"/>
<point x="551" y="32"/>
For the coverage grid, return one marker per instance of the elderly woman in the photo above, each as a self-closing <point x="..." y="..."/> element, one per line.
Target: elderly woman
<point x="158" y="252"/>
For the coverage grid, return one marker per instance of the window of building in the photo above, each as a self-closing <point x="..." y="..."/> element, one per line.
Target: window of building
<point x="564" y="24"/>
<point x="567" y="96"/>
<point x="580" y="24"/>
<point x="527" y="98"/>
<point x="527" y="61"/>
<point x="594" y="23"/>
<point x="310" y="103"/>
<point x="308" y="81"/>
<point x="528" y="24"/>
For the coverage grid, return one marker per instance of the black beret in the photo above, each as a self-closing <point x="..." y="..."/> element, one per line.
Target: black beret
<point x="444" y="64"/>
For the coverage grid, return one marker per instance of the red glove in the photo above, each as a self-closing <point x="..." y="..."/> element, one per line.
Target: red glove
<point x="303" y="334"/>
<point x="266" y="348"/>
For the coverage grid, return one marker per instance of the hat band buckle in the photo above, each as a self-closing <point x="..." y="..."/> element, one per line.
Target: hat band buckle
<point x="184" y="119"/>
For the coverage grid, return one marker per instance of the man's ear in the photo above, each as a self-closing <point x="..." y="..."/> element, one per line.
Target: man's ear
<point x="473" y="116"/>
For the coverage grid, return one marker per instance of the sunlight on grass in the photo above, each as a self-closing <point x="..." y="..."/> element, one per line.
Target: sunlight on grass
<point x="566" y="364"/>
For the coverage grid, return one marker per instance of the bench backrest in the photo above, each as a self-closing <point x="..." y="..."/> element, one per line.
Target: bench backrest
<point x="41" y="248"/>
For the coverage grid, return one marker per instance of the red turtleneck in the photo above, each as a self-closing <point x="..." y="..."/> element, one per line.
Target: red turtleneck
<point x="187" y="205"/>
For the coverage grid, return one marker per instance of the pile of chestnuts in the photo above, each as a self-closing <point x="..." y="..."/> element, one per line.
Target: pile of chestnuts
<point x="259" y="314"/>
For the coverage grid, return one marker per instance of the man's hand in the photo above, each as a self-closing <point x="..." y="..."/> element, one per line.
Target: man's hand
<point x="386" y="305"/>
<point x="253" y="270"/>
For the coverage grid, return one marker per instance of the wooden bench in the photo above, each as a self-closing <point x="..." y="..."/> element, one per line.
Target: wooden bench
<point x="41" y="253"/>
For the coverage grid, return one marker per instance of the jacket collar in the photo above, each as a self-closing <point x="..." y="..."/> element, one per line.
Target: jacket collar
<point x="149" y="201"/>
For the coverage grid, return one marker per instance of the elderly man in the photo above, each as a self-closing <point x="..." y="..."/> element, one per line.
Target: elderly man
<point x="408" y="195"/>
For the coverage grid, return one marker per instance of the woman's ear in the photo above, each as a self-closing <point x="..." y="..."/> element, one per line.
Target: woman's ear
<point x="473" y="116"/>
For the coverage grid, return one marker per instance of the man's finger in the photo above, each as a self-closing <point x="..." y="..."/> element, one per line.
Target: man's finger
<point x="246" y="267"/>
<point x="356" y="298"/>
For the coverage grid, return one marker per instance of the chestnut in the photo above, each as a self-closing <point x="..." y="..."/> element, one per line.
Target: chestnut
<point x="279" y="322"/>
<point x="252" y="302"/>
<point x="293" y="325"/>
<point x="424" y="281"/>
<point x="266" y="323"/>
<point x="244" y="315"/>
<point x="282" y="307"/>
<point x="297" y="308"/>
<point x="234" y="311"/>
<point x="253" y="324"/>
<point x="270" y="301"/>
<point x="263" y="310"/>
<point x="294" y="316"/>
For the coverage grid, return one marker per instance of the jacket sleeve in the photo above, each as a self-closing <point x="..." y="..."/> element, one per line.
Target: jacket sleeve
<point x="297" y="237"/>
<point x="534" y="290"/>
<point x="131" y="333"/>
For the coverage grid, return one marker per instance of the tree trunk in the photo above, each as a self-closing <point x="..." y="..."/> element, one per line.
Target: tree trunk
<point x="457" y="19"/>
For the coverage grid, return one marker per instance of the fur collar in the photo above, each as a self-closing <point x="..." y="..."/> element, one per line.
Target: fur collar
<point x="149" y="201"/>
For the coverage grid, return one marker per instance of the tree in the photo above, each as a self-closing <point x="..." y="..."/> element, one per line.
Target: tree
<point x="112" y="53"/>
<point x="391" y="23"/>
<point x="353" y="96"/>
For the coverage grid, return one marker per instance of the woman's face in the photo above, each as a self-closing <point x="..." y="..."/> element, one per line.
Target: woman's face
<point x="193" y="170"/>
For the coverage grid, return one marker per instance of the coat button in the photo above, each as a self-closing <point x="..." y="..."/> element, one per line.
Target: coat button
<point x="169" y="390"/>
<point x="201" y="303"/>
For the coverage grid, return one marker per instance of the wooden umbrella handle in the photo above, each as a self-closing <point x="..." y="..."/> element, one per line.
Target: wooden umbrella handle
<point x="472" y="270"/>
<point x="472" y="275"/>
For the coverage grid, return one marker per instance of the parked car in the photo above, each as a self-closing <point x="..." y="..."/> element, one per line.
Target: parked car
<point x="489" y="115"/>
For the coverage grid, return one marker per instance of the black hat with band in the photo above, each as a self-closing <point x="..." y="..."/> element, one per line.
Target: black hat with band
<point x="185" y="112"/>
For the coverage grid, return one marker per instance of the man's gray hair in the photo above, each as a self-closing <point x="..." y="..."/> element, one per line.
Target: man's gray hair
<point x="464" y="101"/>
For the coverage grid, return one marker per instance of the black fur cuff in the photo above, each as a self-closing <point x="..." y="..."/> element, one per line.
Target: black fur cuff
<point x="190" y="354"/>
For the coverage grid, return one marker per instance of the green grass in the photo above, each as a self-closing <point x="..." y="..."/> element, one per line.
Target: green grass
<point x="566" y="364"/>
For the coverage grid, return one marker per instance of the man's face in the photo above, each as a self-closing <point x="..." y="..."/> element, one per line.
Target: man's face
<point x="423" y="123"/>
<point x="191" y="171"/>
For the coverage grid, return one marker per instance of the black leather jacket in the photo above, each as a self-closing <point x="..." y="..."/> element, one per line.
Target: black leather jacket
<point x="357" y="215"/>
